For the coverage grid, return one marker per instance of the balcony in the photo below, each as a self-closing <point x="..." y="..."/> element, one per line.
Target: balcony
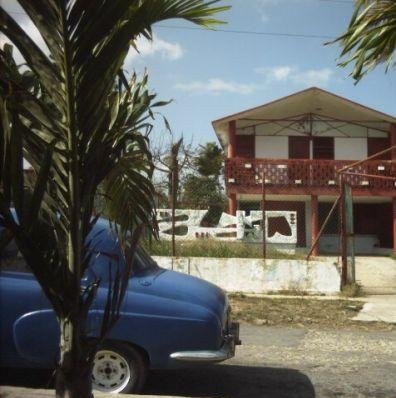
<point x="315" y="176"/>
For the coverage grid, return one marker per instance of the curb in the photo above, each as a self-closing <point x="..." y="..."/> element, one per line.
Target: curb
<point x="21" y="392"/>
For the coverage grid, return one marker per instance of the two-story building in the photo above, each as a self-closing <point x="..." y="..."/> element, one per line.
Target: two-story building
<point x="296" y="144"/>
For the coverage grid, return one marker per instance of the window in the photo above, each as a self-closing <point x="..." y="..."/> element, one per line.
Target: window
<point x="323" y="147"/>
<point x="298" y="147"/>
<point x="12" y="260"/>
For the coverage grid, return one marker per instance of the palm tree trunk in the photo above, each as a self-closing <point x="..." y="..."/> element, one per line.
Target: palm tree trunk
<point x="73" y="376"/>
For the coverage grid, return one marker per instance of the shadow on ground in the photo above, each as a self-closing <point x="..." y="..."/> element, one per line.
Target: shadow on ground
<point x="29" y="378"/>
<point x="231" y="381"/>
<point x="228" y="381"/>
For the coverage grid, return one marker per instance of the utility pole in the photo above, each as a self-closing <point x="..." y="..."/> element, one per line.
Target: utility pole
<point x="174" y="169"/>
<point x="344" y="257"/>
<point x="263" y="214"/>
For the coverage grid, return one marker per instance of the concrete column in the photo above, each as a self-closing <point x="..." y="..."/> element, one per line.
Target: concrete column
<point x="314" y="223"/>
<point x="231" y="138"/>
<point x="394" y="225"/>
<point x="232" y="204"/>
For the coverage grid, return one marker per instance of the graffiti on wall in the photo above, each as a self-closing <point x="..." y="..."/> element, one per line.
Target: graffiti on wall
<point x="280" y="225"/>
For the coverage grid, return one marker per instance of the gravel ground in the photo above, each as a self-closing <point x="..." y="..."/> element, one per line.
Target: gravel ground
<point x="280" y="362"/>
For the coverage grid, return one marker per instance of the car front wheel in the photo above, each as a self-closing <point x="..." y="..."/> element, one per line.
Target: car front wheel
<point x="118" y="368"/>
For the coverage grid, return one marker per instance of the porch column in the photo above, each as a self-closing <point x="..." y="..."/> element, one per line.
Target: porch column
<point x="314" y="224"/>
<point x="231" y="138"/>
<point x="392" y="134"/>
<point x="393" y="157"/>
<point x="232" y="204"/>
<point x="394" y="225"/>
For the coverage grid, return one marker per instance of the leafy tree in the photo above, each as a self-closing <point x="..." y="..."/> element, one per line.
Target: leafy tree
<point x="200" y="192"/>
<point x="370" y="38"/>
<point x="170" y="159"/>
<point x="203" y="190"/>
<point x="80" y="123"/>
<point x="209" y="161"/>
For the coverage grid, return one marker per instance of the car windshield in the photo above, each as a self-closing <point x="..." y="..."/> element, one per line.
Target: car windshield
<point x="143" y="261"/>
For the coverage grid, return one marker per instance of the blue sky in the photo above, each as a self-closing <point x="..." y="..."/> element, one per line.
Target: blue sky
<point x="212" y="74"/>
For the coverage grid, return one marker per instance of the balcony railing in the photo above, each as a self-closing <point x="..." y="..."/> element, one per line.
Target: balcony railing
<point x="311" y="173"/>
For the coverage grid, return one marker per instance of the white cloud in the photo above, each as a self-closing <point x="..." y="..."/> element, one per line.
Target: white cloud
<point x="277" y="73"/>
<point x="293" y="74"/>
<point x="262" y="7"/>
<point x="217" y="86"/>
<point x="314" y="77"/>
<point x="167" y="50"/>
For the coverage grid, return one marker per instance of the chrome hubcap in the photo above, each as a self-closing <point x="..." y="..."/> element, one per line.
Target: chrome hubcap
<point x="111" y="372"/>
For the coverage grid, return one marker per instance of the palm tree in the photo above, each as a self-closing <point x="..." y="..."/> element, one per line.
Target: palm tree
<point x="371" y="36"/>
<point x="80" y="123"/>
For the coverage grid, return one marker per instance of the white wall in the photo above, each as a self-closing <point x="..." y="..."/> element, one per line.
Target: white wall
<point x="258" y="276"/>
<point x="350" y="148"/>
<point x="272" y="147"/>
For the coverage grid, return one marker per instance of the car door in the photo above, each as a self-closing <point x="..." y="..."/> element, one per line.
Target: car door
<point x="26" y="318"/>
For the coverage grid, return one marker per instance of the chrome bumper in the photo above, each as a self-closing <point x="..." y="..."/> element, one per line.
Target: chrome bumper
<point x="226" y="351"/>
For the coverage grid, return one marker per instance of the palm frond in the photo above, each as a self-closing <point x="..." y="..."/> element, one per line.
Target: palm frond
<point x="370" y="38"/>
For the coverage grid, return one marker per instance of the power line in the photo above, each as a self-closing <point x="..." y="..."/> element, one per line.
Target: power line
<point x="337" y="1"/>
<point x="249" y="32"/>
<point x="236" y="31"/>
<point x="246" y="32"/>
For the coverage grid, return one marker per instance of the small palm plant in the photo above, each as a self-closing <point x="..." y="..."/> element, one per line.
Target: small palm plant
<point x="73" y="115"/>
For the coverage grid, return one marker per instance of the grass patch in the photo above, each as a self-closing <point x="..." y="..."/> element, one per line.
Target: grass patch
<point x="301" y="312"/>
<point x="212" y="248"/>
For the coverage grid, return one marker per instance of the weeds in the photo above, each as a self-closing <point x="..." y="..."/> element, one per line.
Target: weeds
<point x="352" y="290"/>
<point x="211" y="248"/>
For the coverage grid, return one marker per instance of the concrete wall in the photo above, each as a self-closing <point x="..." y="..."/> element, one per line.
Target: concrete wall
<point x="257" y="276"/>
<point x="350" y="148"/>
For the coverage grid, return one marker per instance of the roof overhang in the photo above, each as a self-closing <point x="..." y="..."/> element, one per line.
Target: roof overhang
<point x="310" y="101"/>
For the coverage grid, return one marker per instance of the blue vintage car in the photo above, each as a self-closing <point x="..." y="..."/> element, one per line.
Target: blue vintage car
<point x="168" y="319"/>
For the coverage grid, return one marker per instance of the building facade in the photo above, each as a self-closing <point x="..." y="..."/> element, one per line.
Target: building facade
<point x="291" y="149"/>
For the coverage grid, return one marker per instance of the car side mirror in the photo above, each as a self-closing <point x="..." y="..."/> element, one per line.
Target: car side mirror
<point x="89" y="276"/>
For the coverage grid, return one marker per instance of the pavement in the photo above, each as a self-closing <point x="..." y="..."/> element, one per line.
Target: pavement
<point x="378" y="308"/>
<point x="274" y="362"/>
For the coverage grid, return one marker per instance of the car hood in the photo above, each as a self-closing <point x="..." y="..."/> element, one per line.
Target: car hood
<point x="181" y="287"/>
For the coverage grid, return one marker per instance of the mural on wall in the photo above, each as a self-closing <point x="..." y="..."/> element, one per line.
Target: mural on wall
<point x="280" y="226"/>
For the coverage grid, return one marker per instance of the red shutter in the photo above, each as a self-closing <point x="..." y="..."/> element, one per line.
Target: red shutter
<point x="323" y="147"/>
<point x="298" y="147"/>
<point x="375" y="145"/>
<point x="245" y="146"/>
